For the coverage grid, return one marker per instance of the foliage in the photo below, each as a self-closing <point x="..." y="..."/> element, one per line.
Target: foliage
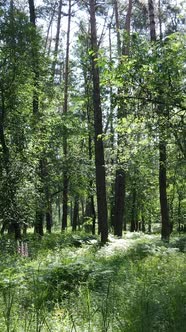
<point x="95" y="288"/>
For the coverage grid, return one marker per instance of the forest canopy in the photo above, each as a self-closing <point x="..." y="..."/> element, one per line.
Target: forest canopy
<point x="92" y="165"/>
<point x="92" y="117"/>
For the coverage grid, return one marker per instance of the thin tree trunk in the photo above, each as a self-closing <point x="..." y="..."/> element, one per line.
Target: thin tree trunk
<point x="59" y="211"/>
<point x="110" y="119"/>
<point x="166" y="229"/>
<point x="126" y="44"/>
<point x="75" y="215"/>
<point x="179" y="213"/>
<point x="5" y="148"/>
<point x="13" y="223"/>
<point x="152" y="20"/>
<point x="57" y="38"/>
<point x="120" y="178"/>
<point x="150" y="225"/>
<point x="119" y="202"/>
<point x="117" y="27"/>
<point x="90" y="209"/>
<point x="39" y="218"/>
<point x="49" y="221"/>
<point x="98" y="128"/>
<point x="65" y="110"/>
<point x="82" y="209"/>
<point x="39" y="222"/>
<point x="34" y="60"/>
<point x="49" y="27"/>
<point x="133" y="215"/>
<point x="160" y="19"/>
<point x="143" y="223"/>
<point x="34" y="55"/>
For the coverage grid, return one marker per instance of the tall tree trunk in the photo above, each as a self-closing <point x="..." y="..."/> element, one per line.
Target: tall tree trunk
<point x="150" y="223"/>
<point x="12" y="223"/>
<point x="39" y="218"/>
<point x="166" y="229"/>
<point x="160" y="19"/>
<point x="57" y="38"/>
<point x="110" y="123"/>
<point x="34" y="59"/>
<point x="98" y="128"/>
<point x="75" y="214"/>
<point x="120" y="178"/>
<point x="49" y="221"/>
<point x="65" y="110"/>
<point x="49" y="28"/>
<point x="126" y="43"/>
<point x="133" y="214"/>
<point x="34" y="55"/>
<point x="143" y="228"/>
<point x="179" y="213"/>
<point x="119" y="202"/>
<point x="5" y="148"/>
<point x="90" y="209"/>
<point x="117" y="26"/>
<point x="152" y="20"/>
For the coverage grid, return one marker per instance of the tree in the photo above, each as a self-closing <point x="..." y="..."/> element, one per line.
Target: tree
<point x="57" y="37"/>
<point x="35" y="68"/>
<point x="163" y="114"/>
<point x="120" y="178"/>
<point x="118" y="93"/>
<point x="85" y="64"/>
<point x="14" y="119"/>
<point x="98" y="128"/>
<point x="65" y="110"/>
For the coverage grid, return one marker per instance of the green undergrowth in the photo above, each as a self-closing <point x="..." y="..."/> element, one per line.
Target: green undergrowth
<point x="69" y="282"/>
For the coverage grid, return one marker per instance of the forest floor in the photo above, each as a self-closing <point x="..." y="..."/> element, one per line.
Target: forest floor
<point x="70" y="283"/>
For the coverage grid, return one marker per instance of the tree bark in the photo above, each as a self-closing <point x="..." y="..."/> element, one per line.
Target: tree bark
<point x="143" y="228"/>
<point x="13" y="220"/>
<point x="133" y="227"/>
<point x="49" y="221"/>
<point x="65" y="110"/>
<point x="126" y="44"/>
<point x="117" y="26"/>
<point x="57" y="38"/>
<point x="98" y="128"/>
<point x="120" y="178"/>
<point x="119" y="202"/>
<point x="5" y="148"/>
<point x="39" y="222"/>
<point x="49" y="27"/>
<point x="152" y="20"/>
<point x="39" y="218"/>
<point x="90" y="208"/>
<point x="75" y="215"/>
<point x="166" y="229"/>
<point x="34" y="59"/>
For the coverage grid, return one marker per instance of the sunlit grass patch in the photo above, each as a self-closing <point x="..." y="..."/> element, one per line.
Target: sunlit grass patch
<point x="134" y="284"/>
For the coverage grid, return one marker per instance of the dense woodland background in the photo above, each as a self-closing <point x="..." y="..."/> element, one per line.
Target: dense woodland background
<point x="92" y="166"/>
<point x="92" y="116"/>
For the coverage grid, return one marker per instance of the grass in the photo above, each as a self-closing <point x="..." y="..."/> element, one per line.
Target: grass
<point x="69" y="283"/>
